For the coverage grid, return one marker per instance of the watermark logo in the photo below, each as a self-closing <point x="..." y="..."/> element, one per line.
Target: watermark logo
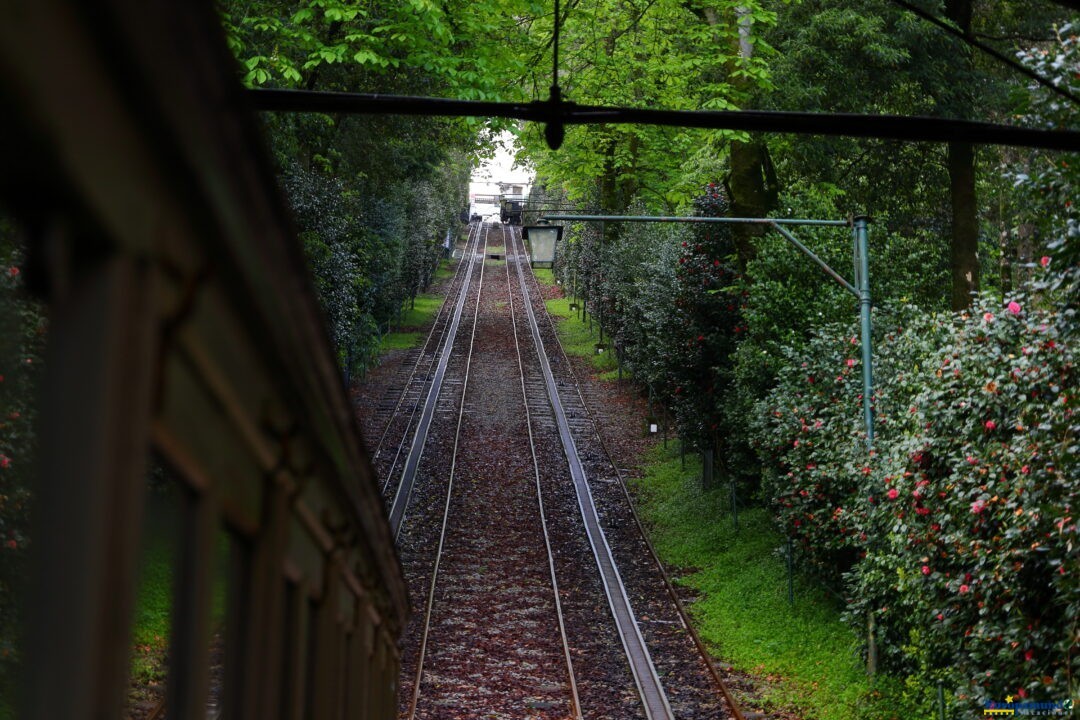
<point x="1011" y="707"/>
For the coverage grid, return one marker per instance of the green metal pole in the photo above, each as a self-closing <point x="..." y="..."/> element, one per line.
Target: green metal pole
<point x="705" y="220"/>
<point x="600" y="317"/>
<point x="862" y="278"/>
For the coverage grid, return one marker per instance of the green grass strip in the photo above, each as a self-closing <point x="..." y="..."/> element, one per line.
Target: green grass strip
<point x="409" y="334"/>
<point x="578" y="339"/>
<point x="808" y="655"/>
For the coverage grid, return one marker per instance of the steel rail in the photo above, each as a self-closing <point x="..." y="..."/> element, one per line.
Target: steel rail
<point x="649" y="687"/>
<point x="558" y="113"/>
<point x="444" y="309"/>
<point x="416" y="450"/>
<point x="446" y="507"/>
<point x="575" y="699"/>
<point x="455" y="285"/>
<point x="684" y="616"/>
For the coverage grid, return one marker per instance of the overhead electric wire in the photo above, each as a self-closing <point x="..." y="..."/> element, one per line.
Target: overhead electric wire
<point x="971" y="40"/>
<point x="556" y="111"/>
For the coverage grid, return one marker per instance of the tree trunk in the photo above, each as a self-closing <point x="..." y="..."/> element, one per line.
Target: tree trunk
<point x="707" y="477"/>
<point x="964" y="255"/>
<point x="965" y="225"/>
<point x="752" y="193"/>
<point x="751" y="183"/>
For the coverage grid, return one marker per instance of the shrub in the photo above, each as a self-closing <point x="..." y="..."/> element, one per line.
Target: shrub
<point x="956" y="533"/>
<point x="812" y="445"/>
<point x="22" y="344"/>
<point x="708" y="307"/>
<point x="974" y="544"/>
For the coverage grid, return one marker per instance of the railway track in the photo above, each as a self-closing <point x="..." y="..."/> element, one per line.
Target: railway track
<point x="646" y="679"/>
<point x="432" y="380"/>
<point x="489" y="576"/>
<point x="397" y="408"/>
<point x="668" y="626"/>
<point x="497" y="522"/>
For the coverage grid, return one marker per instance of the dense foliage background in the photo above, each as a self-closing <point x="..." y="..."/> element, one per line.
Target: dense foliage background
<point x="953" y="536"/>
<point x="956" y="537"/>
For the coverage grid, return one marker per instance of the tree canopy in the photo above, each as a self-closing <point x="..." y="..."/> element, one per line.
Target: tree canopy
<point x="733" y="331"/>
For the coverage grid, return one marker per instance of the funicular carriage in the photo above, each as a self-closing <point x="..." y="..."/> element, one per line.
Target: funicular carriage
<point x="183" y="323"/>
<point x="510" y="209"/>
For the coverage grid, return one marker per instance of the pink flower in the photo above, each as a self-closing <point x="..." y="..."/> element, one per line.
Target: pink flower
<point x="1044" y="261"/>
<point x="12" y="271"/>
<point x="990" y="424"/>
<point x="1014" y="307"/>
<point x="964" y="589"/>
<point x="893" y="493"/>
<point x="925" y="569"/>
<point x="940" y="616"/>
<point x="978" y="506"/>
<point x="851" y="362"/>
<point x="971" y="460"/>
<point x="988" y="317"/>
<point x="5" y="461"/>
<point x="1025" y="470"/>
<point x="1029" y="655"/>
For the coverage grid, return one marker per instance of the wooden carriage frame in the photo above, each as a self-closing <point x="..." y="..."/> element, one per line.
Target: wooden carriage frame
<point x="183" y="322"/>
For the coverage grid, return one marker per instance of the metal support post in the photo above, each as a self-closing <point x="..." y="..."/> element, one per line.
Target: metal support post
<point x="734" y="505"/>
<point x="871" y="647"/>
<point x="862" y="280"/>
<point x="600" y="317"/>
<point x="790" y="573"/>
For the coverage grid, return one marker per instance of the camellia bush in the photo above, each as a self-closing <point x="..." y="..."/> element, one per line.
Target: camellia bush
<point x="670" y="297"/>
<point x="957" y="534"/>
<point x="707" y="304"/>
<point x="812" y="443"/>
<point x="956" y="538"/>
<point x="973" y="523"/>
